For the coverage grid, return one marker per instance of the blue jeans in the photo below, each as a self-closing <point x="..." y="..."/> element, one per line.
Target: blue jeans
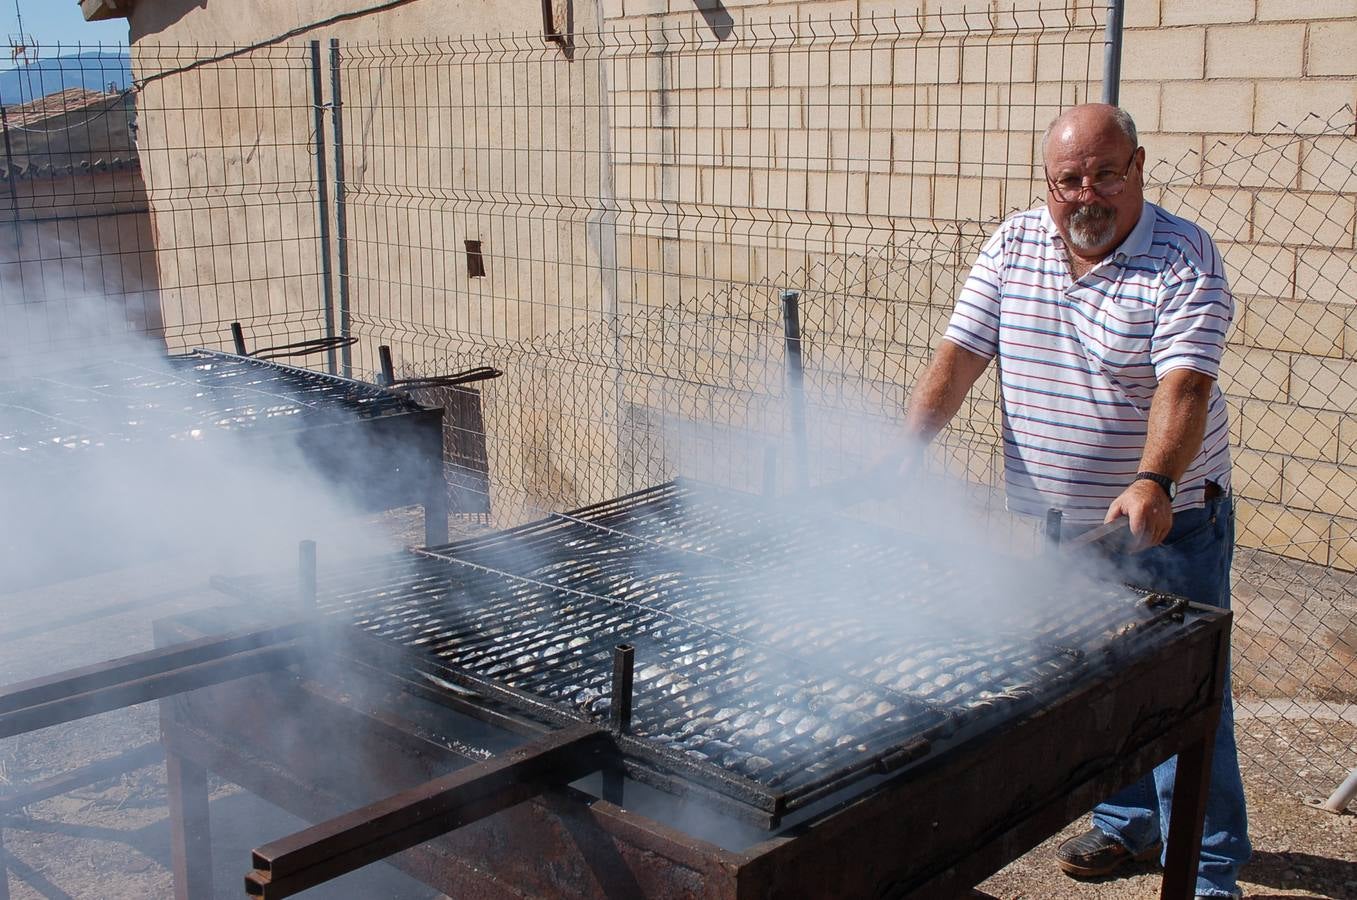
<point x="1194" y="562"/>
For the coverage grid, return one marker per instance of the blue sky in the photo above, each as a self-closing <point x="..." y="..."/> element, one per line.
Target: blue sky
<point x="58" y="21"/>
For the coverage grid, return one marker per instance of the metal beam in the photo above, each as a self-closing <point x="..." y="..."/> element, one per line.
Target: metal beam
<point x="349" y="842"/>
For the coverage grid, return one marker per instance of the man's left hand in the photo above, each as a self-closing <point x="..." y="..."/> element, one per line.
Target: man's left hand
<point x="1150" y="512"/>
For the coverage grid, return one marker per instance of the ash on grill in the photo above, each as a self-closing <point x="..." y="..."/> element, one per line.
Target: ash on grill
<point x="775" y="663"/>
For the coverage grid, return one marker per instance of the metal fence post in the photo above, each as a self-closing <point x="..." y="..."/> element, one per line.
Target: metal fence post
<point x="1112" y="52"/>
<point x="9" y="178"/>
<point x="796" y="391"/>
<point x="341" y="219"/>
<point x="323" y="204"/>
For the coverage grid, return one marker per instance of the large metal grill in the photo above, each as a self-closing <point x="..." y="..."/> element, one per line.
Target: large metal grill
<point x="93" y="452"/>
<point x="52" y="415"/>
<point x="777" y="660"/>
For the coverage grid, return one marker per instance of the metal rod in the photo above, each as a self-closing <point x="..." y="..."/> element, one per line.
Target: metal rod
<point x="770" y="470"/>
<point x="796" y="392"/>
<point x="90" y="682"/>
<point x="323" y="205"/>
<point x="388" y="373"/>
<point x="1112" y="36"/>
<point x="9" y="178"/>
<point x="4" y="869"/>
<point x="171" y="680"/>
<point x="306" y="574"/>
<point x="127" y="761"/>
<point x="348" y="842"/>
<point x="624" y="659"/>
<point x="1053" y="522"/>
<point x="1342" y="796"/>
<point x="238" y="338"/>
<point x="341" y="214"/>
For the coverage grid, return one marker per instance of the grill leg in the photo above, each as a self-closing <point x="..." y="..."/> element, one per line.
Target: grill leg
<point x="190" y="832"/>
<point x="4" y="869"/>
<point x="1185" y="825"/>
<point x="436" y="511"/>
<point x="612" y="789"/>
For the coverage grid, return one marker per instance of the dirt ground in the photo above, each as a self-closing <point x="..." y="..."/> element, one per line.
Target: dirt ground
<point x="111" y="840"/>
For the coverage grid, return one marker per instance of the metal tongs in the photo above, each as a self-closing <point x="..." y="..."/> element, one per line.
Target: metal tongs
<point x="1111" y="537"/>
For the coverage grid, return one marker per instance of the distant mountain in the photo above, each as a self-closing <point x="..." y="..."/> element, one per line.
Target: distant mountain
<point x="93" y="70"/>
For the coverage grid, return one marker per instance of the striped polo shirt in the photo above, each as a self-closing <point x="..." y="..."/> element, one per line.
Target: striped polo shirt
<point x="1079" y="360"/>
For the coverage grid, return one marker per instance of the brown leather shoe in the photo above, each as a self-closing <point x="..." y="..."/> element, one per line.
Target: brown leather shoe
<point x="1095" y="854"/>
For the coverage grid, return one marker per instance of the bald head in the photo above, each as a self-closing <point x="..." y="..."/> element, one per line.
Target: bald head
<point x="1091" y="122"/>
<point x="1095" y="178"/>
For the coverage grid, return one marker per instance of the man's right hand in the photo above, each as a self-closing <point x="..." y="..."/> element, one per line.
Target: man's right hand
<point x="1149" y="510"/>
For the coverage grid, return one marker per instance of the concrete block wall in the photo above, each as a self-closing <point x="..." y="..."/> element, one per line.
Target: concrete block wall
<point x="1245" y="108"/>
<point x="690" y="157"/>
<point x="1257" y="102"/>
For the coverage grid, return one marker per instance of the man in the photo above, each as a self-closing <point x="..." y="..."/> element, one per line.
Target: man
<point x="1107" y="316"/>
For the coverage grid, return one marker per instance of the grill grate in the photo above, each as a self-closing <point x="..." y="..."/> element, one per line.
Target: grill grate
<point x="123" y="401"/>
<point x="753" y="663"/>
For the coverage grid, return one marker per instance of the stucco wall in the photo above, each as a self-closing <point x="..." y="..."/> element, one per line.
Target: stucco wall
<point x="77" y="260"/>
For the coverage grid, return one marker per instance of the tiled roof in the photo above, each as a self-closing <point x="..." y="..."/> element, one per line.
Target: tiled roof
<point x="59" y="104"/>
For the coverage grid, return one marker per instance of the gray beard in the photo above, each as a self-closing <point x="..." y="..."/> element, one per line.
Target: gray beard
<point x="1091" y="227"/>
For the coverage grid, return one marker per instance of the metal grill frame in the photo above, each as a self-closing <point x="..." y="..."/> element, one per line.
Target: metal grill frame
<point x="374" y="482"/>
<point x="645" y="759"/>
<point x="932" y="829"/>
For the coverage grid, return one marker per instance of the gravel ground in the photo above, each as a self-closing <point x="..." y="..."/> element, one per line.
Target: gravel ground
<point x="111" y="840"/>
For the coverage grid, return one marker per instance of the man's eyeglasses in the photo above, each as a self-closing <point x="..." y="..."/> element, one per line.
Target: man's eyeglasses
<point x="1104" y="184"/>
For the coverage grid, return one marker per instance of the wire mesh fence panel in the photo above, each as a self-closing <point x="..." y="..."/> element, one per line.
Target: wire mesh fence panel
<point x="1281" y="206"/>
<point x="163" y="191"/>
<point x="611" y="224"/>
<point x="229" y="154"/>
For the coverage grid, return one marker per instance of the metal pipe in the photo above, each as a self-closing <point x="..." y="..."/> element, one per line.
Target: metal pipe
<point x="323" y="205"/>
<point x="238" y="338"/>
<point x="1112" y="35"/>
<point x="388" y="373"/>
<point x="1340" y="798"/>
<point x="624" y="659"/>
<point x="306" y="574"/>
<point x="796" y="391"/>
<point x="341" y="216"/>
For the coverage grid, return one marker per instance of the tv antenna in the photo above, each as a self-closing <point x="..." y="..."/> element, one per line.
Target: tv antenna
<point x="22" y="49"/>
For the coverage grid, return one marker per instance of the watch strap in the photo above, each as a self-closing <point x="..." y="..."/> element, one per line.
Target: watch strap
<point x="1165" y="482"/>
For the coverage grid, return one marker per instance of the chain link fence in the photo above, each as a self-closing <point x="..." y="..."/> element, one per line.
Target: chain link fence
<point x="611" y="221"/>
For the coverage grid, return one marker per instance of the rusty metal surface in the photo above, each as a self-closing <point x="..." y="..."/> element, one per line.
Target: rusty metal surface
<point x="350" y="841"/>
<point x="933" y="829"/>
<point x="77" y="693"/>
<point x="751" y="679"/>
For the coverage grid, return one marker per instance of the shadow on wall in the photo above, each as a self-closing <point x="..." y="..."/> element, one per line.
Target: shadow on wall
<point x="152" y="18"/>
<point x="717" y="17"/>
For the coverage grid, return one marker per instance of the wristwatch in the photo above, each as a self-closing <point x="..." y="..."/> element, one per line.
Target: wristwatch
<point x="1168" y="484"/>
